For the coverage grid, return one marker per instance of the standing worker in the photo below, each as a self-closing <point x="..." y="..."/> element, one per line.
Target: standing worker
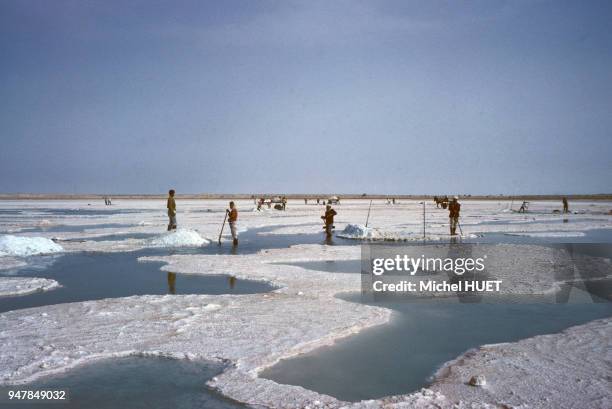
<point x="171" y="205"/>
<point x="232" y="216"/>
<point x="565" y="205"/>
<point x="329" y="220"/>
<point x="453" y="214"/>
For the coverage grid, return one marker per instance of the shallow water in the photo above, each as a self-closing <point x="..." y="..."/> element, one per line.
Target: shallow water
<point x="330" y="266"/>
<point x="93" y="276"/>
<point x="590" y="236"/>
<point x="54" y="211"/>
<point x="255" y="240"/>
<point x="402" y="356"/>
<point x="74" y="228"/>
<point x="133" y="382"/>
<point x="112" y="237"/>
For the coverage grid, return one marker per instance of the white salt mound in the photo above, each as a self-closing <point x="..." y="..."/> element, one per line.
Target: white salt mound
<point x="359" y="231"/>
<point x="25" y="285"/>
<point x="179" y="238"/>
<point x="27" y="246"/>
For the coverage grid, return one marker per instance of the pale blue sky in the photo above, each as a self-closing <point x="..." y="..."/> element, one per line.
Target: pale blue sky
<point x="315" y="96"/>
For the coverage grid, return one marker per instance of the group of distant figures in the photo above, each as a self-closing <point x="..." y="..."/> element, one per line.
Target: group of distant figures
<point x="281" y="203"/>
<point x="329" y="201"/>
<point x="441" y="202"/>
<point x="108" y="201"/>
<point x="525" y="206"/>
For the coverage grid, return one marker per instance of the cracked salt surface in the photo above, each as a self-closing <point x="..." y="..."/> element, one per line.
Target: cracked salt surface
<point x="255" y="331"/>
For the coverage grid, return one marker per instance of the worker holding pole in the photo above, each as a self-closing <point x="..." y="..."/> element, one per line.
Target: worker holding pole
<point x="232" y="218"/>
<point x="329" y="220"/>
<point x="453" y="214"/>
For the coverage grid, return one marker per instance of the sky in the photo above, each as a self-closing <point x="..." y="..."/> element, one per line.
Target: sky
<point x="379" y="97"/>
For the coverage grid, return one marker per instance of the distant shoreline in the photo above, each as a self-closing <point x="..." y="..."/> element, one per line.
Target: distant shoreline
<point x="202" y="196"/>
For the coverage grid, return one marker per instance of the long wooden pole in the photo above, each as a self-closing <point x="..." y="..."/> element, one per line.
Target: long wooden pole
<point x="368" y="218"/>
<point x="222" y="226"/>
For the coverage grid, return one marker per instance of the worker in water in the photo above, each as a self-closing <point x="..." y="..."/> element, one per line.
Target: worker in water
<point x="171" y="205"/>
<point x="232" y="216"/>
<point x="453" y="214"/>
<point x="329" y="220"/>
<point x="565" y="205"/>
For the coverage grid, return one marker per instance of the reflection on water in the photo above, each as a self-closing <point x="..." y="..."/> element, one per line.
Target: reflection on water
<point x="172" y="283"/>
<point x="94" y="276"/>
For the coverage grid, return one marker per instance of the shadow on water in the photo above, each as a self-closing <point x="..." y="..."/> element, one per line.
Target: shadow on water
<point x="93" y="276"/>
<point x="133" y="382"/>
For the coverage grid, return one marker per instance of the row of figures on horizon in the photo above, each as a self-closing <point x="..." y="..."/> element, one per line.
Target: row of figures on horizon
<point x="329" y="201"/>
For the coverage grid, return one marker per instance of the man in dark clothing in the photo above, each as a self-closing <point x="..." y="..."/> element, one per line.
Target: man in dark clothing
<point x="565" y="205"/>
<point x="453" y="213"/>
<point x="329" y="220"/>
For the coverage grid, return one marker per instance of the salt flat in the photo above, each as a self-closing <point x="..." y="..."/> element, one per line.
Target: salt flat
<point x="254" y="331"/>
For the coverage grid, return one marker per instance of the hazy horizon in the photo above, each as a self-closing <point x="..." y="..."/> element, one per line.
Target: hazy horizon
<point x="297" y="195"/>
<point x="381" y="97"/>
